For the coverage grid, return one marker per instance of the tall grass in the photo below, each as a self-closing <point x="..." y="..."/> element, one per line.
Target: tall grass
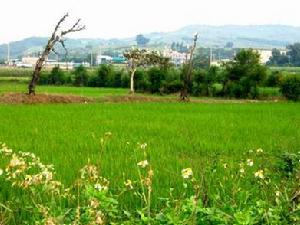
<point x="179" y="135"/>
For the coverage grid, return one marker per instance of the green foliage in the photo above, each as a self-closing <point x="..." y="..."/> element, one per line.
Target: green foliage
<point x="156" y="77"/>
<point x="243" y="75"/>
<point x="290" y="87"/>
<point x="141" y="82"/>
<point x="172" y="82"/>
<point x="58" y="77"/>
<point x="274" y="79"/>
<point x="294" y="54"/>
<point x="245" y="192"/>
<point x="278" y="59"/>
<point x="104" y="74"/>
<point x="15" y="72"/>
<point x="81" y="76"/>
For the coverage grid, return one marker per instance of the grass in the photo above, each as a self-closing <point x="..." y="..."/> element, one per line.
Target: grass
<point x="21" y="87"/>
<point x="15" y="72"/>
<point x="269" y="92"/>
<point x="179" y="135"/>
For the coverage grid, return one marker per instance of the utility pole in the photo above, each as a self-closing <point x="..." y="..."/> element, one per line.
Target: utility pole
<point x="8" y="53"/>
<point x="210" y="56"/>
<point x="91" y="58"/>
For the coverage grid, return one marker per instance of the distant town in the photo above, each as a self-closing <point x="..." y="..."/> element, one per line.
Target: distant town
<point x="176" y="57"/>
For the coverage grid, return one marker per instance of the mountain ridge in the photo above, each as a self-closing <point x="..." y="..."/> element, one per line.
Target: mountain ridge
<point x="255" y="36"/>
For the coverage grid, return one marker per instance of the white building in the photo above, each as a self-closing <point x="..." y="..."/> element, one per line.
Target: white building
<point x="176" y="57"/>
<point x="266" y="54"/>
<point x="103" y="59"/>
<point x="49" y="64"/>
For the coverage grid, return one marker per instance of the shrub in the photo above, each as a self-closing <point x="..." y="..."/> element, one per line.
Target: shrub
<point x="44" y="78"/>
<point x="156" y="77"/>
<point x="81" y="76"/>
<point x="140" y="80"/>
<point x="290" y="87"/>
<point x="105" y="75"/>
<point x="125" y="80"/>
<point x="246" y="73"/>
<point x="92" y="81"/>
<point x="117" y="79"/>
<point x="172" y="83"/>
<point x="172" y="86"/>
<point x="57" y="77"/>
<point x="274" y="79"/>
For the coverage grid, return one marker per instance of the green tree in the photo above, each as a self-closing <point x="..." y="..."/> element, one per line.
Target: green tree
<point x="105" y="74"/>
<point x="294" y="54"/>
<point x="202" y="58"/>
<point x="290" y="87"/>
<point x="278" y="59"/>
<point x="141" y="58"/>
<point x="243" y="75"/>
<point x="156" y="77"/>
<point x="57" y="76"/>
<point x="81" y="76"/>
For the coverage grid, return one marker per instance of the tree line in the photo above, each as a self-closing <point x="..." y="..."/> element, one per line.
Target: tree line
<point x="289" y="58"/>
<point x="240" y="78"/>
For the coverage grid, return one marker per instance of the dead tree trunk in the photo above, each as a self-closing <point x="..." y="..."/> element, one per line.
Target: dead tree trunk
<point x="56" y="37"/>
<point x="187" y="75"/>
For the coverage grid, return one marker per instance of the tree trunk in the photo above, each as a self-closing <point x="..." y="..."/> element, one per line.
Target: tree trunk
<point x="187" y="77"/>
<point x="36" y="75"/>
<point x="184" y="94"/>
<point x="132" y="82"/>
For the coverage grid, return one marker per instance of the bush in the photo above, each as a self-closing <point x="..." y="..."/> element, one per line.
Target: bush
<point x="92" y="81"/>
<point x="117" y="79"/>
<point x="274" y="79"/>
<point x="140" y="81"/>
<point x="172" y="83"/>
<point x="243" y="75"/>
<point x="172" y="86"/>
<point x="105" y="75"/>
<point x="81" y="76"/>
<point x="156" y="77"/>
<point x="125" y="80"/>
<point x="44" y="80"/>
<point x="57" y="77"/>
<point x="290" y="87"/>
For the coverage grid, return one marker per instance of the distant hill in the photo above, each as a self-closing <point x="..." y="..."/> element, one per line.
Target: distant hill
<point x="256" y="36"/>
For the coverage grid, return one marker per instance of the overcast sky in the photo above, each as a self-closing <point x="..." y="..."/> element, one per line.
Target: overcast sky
<point x="124" y="18"/>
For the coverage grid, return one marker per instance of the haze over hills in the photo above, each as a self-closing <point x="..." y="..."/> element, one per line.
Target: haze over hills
<point x="256" y="36"/>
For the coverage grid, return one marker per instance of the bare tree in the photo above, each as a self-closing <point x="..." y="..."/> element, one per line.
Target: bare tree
<point x="56" y="37"/>
<point x="187" y="72"/>
<point x="141" y="57"/>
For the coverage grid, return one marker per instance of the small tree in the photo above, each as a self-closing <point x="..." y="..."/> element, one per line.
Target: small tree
<point x="141" y="58"/>
<point x="243" y="75"/>
<point x="81" y="76"/>
<point x="57" y="76"/>
<point x="56" y="37"/>
<point x="290" y="87"/>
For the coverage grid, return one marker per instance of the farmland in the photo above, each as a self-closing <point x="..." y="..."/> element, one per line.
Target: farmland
<point x="212" y="138"/>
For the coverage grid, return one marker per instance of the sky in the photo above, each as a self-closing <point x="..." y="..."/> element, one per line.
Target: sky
<point x="126" y="18"/>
